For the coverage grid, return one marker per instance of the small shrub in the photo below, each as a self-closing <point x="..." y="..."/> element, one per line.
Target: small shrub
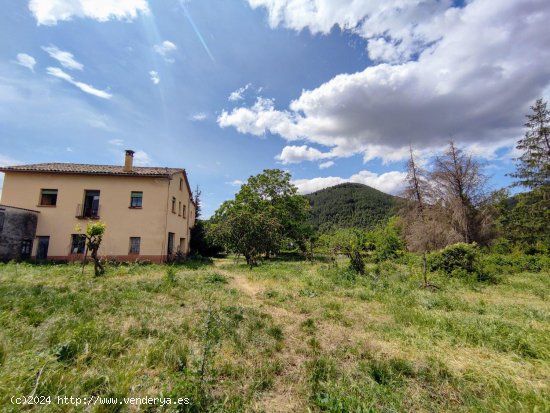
<point x="456" y="260"/>
<point x="171" y="275"/>
<point x="215" y="278"/>
<point x="67" y="352"/>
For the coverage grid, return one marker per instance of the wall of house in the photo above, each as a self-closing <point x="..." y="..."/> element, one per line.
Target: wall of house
<point x="16" y="226"/>
<point x="152" y="222"/>
<point x="177" y="222"/>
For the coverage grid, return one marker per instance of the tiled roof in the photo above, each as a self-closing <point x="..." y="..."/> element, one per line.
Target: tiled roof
<point x="75" y="168"/>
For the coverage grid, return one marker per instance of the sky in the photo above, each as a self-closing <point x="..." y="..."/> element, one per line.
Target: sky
<point x="330" y="90"/>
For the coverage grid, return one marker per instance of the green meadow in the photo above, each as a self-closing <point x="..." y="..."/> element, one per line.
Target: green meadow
<point x="286" y="336"/>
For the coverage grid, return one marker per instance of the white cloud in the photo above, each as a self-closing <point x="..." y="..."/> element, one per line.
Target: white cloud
<point x="49" y="12"/>
<point x="66" y="59"/>
<point x="394" y="29"/>
<point x="239" y="93"/>
<point x="26" y="60"/>
<point x="116" y="142"/>
<point x="154" y="77"/>
<point x="57" y="72"/>
<point x="142" y="158"/>
<point x="69" y="149"/>
<point x="199" y="117"/>
<point x="297" y="154"/>
<point x="485" y="64"/>
<point x="236" y="182"/>
<point x="326" y="165"/>
<point x="389" y="182"/>
<point x="165" y="49"/>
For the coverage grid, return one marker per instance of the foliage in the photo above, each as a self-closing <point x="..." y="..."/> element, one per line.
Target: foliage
<point x="455" y="259"/>
<point x="94" y="235"/>
<point x="525" y="219"/>
<point x="200" y="243"/>
<point x="265" y="211"/>
<point x="349" y="205"/>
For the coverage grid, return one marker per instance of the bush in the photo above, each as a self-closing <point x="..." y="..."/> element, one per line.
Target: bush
<point x="456" y="259"/>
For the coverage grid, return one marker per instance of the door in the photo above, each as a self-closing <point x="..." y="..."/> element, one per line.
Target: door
<point x="91" y="204"/>
<point x="26" y="249"/>
<point x="170" y="243"/>
<point x="42" y="250"/>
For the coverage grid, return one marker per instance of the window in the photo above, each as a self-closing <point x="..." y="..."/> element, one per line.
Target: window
<point x="181" y="184"/>
<point x="179" y="209"/>
<point x="174" y="204"/>
<point x="78" y="243"/>
<point x="182" y="245"/>
<point x="136" y="199"/>
<point x="2" y="214"/>
<point x="135" y="243"/>
<point x="184" y="211"/>
<point x="48" y="197"/>
<point x="170" y="243"/>
<point x="90" y="208"/>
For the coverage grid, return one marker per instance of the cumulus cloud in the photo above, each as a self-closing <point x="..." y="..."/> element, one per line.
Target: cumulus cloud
<point x="165" y="49"/>
<point x="154" y="77"/>
<point x="474" y="80"/>
<point x="326" y="165"/>
<point x="49" y="12"/>
<point x="142" y="158"/>
<point x="297" y="154"/>
<point x="26" y="60"/>
<point x="394" y="29"/>
<point x="60" y="74"/>
<point x="389" y="182"/>
<point x="66" y="59"/>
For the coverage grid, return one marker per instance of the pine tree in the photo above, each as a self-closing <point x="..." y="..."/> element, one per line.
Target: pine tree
<point x="533" y="168"/>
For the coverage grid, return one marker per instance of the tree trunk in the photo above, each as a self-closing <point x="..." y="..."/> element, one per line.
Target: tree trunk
<point x="98" y="268"/>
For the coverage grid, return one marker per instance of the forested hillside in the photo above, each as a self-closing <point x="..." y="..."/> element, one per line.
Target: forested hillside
<point x="349" y="205"/>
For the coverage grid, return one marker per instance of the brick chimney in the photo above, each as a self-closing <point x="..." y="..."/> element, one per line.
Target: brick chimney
<point x="128" y="160"/>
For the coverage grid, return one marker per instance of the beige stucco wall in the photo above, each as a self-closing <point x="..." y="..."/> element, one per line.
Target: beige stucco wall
<point x="152" y="223"/>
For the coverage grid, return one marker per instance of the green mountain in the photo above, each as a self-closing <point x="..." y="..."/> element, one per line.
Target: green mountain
<point x="349" y="205"/>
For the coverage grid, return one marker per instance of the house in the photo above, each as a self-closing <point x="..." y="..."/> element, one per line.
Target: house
<point x="17" y="232"/>
<point x="149" y="211"/>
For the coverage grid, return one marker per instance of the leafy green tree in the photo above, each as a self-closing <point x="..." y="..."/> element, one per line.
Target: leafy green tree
<point x="266" y="210"/>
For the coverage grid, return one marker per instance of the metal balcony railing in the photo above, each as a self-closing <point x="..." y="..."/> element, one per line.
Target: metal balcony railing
<point x="87" y="212"/>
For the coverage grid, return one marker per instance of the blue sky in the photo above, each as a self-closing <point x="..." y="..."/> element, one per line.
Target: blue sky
<point x="330" y="90"/>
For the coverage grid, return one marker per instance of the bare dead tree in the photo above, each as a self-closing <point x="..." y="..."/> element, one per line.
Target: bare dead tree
<point x="460" y="188"/>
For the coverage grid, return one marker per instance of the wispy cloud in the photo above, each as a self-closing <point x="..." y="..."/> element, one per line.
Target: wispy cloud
<point x="57" y="72"/>
<point x="326" y="165"/>
<point x="49" y="12"/>
<point x="236" y="182"/>
<point x="142" y="158"/>
<point x="116" y="142"/>
<point x="199" y="117"/>
<point x="239" y="93"/>
<point x="26" y="60"/>
<point x="154" y="77"/>
<point x="66" y="59"/>
<point x="166" y="49"/>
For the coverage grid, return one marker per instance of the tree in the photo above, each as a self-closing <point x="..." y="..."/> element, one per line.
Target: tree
<point x="527" y="220"/>
<point x="266" y="210"/>
<point x="533" y="167"/>
<point x="197" y="202"/>
<point x="94" y="235"/>
<point x="423" y="229"/>
<point x="460" y="189"/>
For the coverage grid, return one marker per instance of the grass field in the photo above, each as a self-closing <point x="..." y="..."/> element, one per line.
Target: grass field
<point x="288" y="336"/>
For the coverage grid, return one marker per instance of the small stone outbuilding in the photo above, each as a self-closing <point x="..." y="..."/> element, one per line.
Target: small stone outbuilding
<point x="17" y="232"/>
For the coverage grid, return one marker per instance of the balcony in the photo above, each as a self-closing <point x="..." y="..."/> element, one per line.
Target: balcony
<point x="88" y="211"/>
